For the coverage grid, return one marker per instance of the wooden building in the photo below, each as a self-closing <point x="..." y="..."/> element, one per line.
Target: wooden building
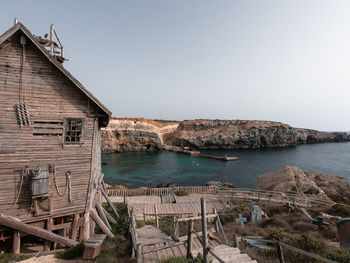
<point x="50" y="159"/>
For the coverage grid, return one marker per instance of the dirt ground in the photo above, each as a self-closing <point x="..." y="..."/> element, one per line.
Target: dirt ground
<point x="49" y="259"/>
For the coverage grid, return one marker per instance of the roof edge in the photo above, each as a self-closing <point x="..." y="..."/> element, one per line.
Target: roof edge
<point x="20" y="26"/>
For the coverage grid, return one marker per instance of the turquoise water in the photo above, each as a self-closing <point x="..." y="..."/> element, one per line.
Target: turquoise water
<point x="149" y="169"/>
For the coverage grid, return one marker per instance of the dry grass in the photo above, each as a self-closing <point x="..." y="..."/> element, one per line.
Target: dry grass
<point x="291" y="227"/>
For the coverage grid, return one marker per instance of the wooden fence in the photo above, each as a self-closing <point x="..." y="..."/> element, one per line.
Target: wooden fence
<point x="279" y="245"/>
<point x="234" y="193"/>
<point x="161" y="191"/>
<point x="273" y="196"/>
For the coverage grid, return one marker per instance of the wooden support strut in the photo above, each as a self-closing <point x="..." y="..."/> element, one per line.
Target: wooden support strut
<point x="100" y="223"/>
<point x="104" y="192"/>
<point x="109" y="217"/>
<point x="102" y="215"/>
<point x="16" y="224"/>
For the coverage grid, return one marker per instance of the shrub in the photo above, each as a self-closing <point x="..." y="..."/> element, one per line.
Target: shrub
<point x="140" y="223"/>
<point x="340" y="255"/>
<point x="275" y="222"/>
<point x="118" y="249"/>
<point x="71" y="253"/>
<point x="166" y="224"/>
<point x="339" y="210"/>
<point x="7" y="258"/>
<point x="181" y="192"/>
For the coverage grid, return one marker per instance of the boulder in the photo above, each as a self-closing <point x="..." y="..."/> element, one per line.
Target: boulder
<point x="292" y="180"/>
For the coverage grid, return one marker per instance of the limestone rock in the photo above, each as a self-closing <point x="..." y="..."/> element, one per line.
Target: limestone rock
<point x="232" y="134"/>
<point x="290" y="179"/>
<point x="125" y="135"/>
<point x="336" y="188"/>
<point x="130" y="134"/>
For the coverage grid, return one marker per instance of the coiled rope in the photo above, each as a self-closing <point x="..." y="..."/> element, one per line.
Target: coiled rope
<point x="68" y="185"/>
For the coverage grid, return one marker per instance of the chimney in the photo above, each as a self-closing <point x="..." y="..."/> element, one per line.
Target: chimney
<point x="52" y="28"/>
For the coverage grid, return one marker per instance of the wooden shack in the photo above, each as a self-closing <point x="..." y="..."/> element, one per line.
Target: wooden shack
<point x="50" y="159"/>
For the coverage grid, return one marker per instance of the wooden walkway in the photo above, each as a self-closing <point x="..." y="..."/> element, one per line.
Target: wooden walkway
<point x="153" y="239"/>
<point x="144" y="207"/>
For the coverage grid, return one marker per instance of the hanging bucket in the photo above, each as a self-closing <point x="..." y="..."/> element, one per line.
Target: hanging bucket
<point x="40" y="181"/>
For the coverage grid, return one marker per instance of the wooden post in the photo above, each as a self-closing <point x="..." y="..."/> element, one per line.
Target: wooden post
<point x="16" y="244"/>
<point x="235" y="241"/>
<point x="74" y="230"/>
<point x="189" y="239"/>
<point x="47" y="243"/>
<point x="138" y="253"/>
<point x="204" y="231"/>
<point x="156" y="215"/>
<point x="280" y="253"/>
<point x="176" y="228"/>
<point x="81" y="234"/>
<point x="216" y="222"/>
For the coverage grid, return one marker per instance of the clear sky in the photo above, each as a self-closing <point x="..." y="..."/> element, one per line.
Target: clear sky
<point x="278" y="60"/>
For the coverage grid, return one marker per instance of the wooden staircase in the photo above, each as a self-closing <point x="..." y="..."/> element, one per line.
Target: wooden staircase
<point x="227" y="254"/>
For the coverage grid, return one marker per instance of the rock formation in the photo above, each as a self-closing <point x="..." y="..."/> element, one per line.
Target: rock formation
<point x="294" y="180"/>
<point x="335" y="187"/>
<point x="126" y="134"/>
<point x="291" y="180"/>
<point x="231" y="134"/>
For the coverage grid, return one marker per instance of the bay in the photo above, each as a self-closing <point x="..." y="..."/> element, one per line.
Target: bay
<point x="137" y="169"/>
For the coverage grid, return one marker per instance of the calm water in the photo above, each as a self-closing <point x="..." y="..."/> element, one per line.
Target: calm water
<point x="152" y="168"/>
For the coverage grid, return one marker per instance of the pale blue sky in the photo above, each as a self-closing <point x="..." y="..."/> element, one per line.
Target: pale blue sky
<point x="278" y="60"/>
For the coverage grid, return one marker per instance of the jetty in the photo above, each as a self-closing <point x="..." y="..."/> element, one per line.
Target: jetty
<point x="177" y="149"/>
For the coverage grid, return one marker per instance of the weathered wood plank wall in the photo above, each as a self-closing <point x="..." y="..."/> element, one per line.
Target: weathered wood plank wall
<point x="50" y="97"/>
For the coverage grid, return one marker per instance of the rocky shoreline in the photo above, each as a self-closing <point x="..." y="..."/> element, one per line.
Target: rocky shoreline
<point x="137" y="134"/>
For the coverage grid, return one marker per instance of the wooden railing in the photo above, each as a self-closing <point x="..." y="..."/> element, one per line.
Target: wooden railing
<point x="273" y="196"/>
<point x="279" y="245"/>
<point x="133" y="233"/>
<point x="234" y="193"/>
<point x="161" y="191"/>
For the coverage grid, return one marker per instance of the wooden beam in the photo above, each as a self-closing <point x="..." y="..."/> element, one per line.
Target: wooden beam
<point x="62" y="226"/>
<point x="16" y="224"/>
<point x="16" y="243"/>
<point x="102" y="214"/>
<point x="104" y="192"/>
<point x="100" y="223"/>
<point x="109" y="217"/>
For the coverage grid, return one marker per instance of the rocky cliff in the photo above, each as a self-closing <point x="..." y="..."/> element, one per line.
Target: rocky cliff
<point x="293" y="180"/>
<point x="126" y="134"/>
<point x="230" y="134"/>
<point x="135" y="134"/>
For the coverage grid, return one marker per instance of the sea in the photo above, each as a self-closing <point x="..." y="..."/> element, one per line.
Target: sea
<point x="151" y="169"/>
